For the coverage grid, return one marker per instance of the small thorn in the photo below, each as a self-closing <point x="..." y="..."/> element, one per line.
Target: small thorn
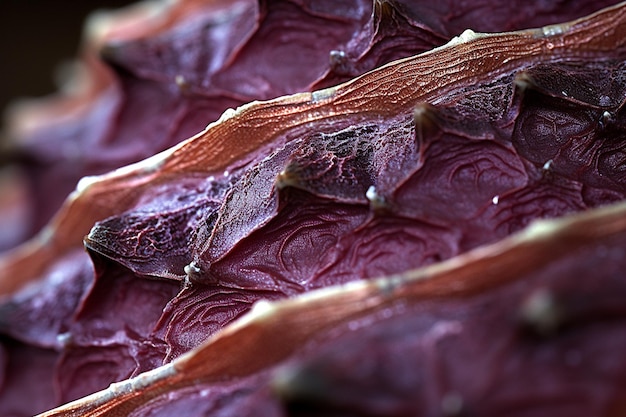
<point x="383" y="9"/>
<point x="196" y="272"/>
<point x="425" y="119"/>
<point x="606" y="119"/>
<point x="378" y="203"/>
<point x="192" y="269"/>
<point x="339" y="63"/>
<point x="337" y="56"/>
<point x="65" y="339"/>
<point x="548" y="165"/>
<point x="547" y="169"/>
<point x="288" y="177"/>
<point x="423" y="113"/>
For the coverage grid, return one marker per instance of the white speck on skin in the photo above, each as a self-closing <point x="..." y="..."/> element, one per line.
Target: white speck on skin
<point x="323" y="95"/>
<point x="376" y="200"/>
<point x="64" y="339"/>
<point x="191" y="269"/>
<point x="371" y="193"/>
<point x="495" y="200"/>
<point x="552" y="30"/>
<point x="547" y="165"/>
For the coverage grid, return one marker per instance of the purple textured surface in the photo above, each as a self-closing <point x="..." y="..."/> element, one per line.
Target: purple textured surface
<point x="357" y="198"/>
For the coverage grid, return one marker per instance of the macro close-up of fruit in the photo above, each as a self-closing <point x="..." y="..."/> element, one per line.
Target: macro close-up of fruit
<point x="321" y="208"/>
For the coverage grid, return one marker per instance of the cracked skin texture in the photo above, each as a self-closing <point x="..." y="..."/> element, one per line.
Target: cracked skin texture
<point x="470" y="354"/>
<point x="306" y="202"/>
<point x="162" y="82"/>
<point x="300" y="218"/>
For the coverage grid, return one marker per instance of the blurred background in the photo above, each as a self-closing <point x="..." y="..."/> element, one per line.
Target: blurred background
<point x="36" y="36"/>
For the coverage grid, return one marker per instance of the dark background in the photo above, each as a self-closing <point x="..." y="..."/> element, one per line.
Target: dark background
<point x="35" y="37"/>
